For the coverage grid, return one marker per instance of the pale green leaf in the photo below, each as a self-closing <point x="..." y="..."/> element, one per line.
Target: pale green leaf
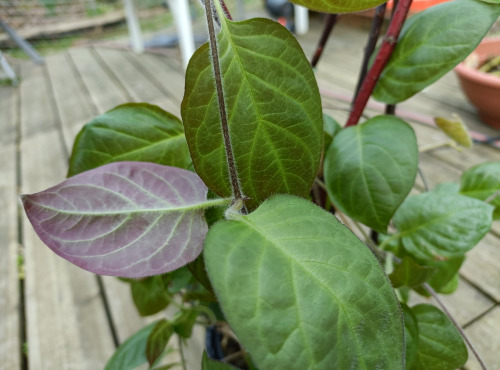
<point x="274" y="111"/>
<point x="455" y="129"/>
<point x="440" y="346"/>
<point x="482" y="182"/>
<point x="438" y="226"/>
<point x="371" y="168"/>
<point x="431" y="44"/>
<point x="338" y="6"/>
<point x="302" y="292"/>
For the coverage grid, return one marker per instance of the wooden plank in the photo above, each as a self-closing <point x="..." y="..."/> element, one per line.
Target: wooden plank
<point x="66" y="323"/>
<point x="484" y="334"/>
<point x="10" y="345"/>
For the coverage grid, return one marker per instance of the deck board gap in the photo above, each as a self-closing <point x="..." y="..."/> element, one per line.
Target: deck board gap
<point x="479" y="317"/>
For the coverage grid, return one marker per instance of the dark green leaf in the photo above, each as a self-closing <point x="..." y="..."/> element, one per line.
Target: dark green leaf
<point x="371" y="168"/>
<point x="197" y="268"/>
<point x="445" y="272"/>
<point x="183" y="325"/>
<point x="338" y="6"/>
<point x="301" y="291"/>
<point x="157" y="340"/>
<point x="150" y="295"/>
<point x="440" y="346"/>
<point x="136" y="132"/>
<point x="481" y="182"/>
<point x="274" y="112"/>
<point x="410" y="273"/>
<point x="132" y="352"/>
<point x="411" y="336"/>
<point x="436" y="226"/>
<point x="431" y="44"/>
<point x="209" y="364"/>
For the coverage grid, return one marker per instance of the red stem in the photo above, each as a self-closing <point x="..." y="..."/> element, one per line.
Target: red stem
<point x="381" y="60"/>
<point x="224" y="7"/>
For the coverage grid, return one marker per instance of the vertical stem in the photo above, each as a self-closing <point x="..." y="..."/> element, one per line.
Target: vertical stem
<point x="330" y="21"/>
<point x="233" y="174"/>
<point x="390" y="109"/>
<point x="226" y="11"/>
<point x="378" y="21"/>
<point x="381" y="60"/>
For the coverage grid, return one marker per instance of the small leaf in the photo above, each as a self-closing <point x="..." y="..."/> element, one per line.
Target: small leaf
<point x="411" y="336"/>
<point x="132" y="352"/>
<point x="371" y="168"/>
<point x="440" y="346"/>
<point x="455" y="129"/>
<point x="301" y="291"/>
<point x="431" y="44"/>
<point x="331" y="128"/>
<point x="130" y="132"/>
<point x="158" y="340"/>
<point x="127" y="219"/>
<point x="482" y="182"/>
<point x="273" y="106"/>
<point x="445" y="273"/>
<point x="410" y="273"/>
<point x="438" y="226"/>
<point x="209" y="364"/>
<point x="338" y="6"/>
<point x="183" y="325"/>
<point x="197" y="268"/>
<point x="447" y="188"/>
<point x="150" y="295"/>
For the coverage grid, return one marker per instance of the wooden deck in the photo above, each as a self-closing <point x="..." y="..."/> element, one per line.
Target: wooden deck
<point x="67" y="318"/>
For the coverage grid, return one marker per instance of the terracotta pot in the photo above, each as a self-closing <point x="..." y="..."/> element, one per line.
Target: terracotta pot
<point x="419" y="5"/>
<point x="482" y="89"/>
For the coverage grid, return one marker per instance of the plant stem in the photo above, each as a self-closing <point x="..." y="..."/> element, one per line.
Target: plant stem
<point x="181" y="351"/>
<point x="233" y="174"/>
<point x="381" y="60"/>
<point x="226" y="11"/>
<point x="457" y="325"/>
<point x="378" y="21"/>
<point x="390" y="109"/>
<point x="330" y="22"/>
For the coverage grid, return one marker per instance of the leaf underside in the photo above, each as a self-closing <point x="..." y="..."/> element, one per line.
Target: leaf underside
<point x="127" y="219"/>
<point x="301" y="291"/>
<point x="339" y="6"/>
<point x="273" y="106"/>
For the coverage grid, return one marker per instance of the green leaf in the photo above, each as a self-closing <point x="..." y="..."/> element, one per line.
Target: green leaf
<point x="445" y="273"/>
<point x="301" y="291"/>
<point x="371" y="168"/>
<point x="179" y="279"/>
<point x="183" y="325"/>
<point x="130" y="132"/>
<point x="440" y="346"/>
<point x="455" y="129"/>
<point x="410" y="273"/>
<point x="331" y="128"/>
<point x="481" y="182"/>
<point x="431" y="44"/>
<point x="273" y="106"/>
<point x="437" y="226"/>
<point x="150" y="295"/>
<point x="209" y="364"/>
<point x="132" y="352"/>
<point x="338" y="6"/>
<point x="157" y="340"/>
<point x="411" y="336"/>
<point x="447" y="188"/>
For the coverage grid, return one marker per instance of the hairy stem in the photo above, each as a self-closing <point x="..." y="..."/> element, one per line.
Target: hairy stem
<point x="457" y="325"/>
<point x="233" y="174"/>
<point x="381" y="60"/>
<point x="226" y="11"/>
<point x="330" y="22"/>
<point x="378" y="21"/>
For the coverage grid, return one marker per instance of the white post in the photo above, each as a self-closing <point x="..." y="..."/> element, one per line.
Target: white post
<point x="134" y="28"/>
<point x="301" y="20"/>
<point x="180" y="10"/>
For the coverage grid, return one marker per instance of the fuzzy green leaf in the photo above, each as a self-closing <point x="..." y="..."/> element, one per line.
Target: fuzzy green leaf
<point x="209" y="364"/>
<point x="157" y="340"/>
<point x="136" y="132"/>
<point x="338" y="6"/>
<point x="273" y="106"/>
<point x="431" y="44"/>
<point x="411" y="336"/>
<point x="371" y="168"/>
<point x="150" y="295"/>
<point x="410" y="273"/>
<point x="439" y="226"/>
<point x="440" y="346"/>
<point x="481" y="182"/>
<point x="301" y="291"/>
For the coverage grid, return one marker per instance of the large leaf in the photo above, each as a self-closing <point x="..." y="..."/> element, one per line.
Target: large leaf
<point x="127" y="219"/>
<point x="302" y="292"/>
<point x="431" y="44"/>
<point x="130" y="132"/>
<point x="371" y="168"/>
<point x="481" y="182"/>
<point x="150" y="295"/>
<point x="411" y="336"/>
<point x="437" y="226"/>
<point x="274" y="111"/>
<point x="132" y="352"/>
<point x="339" y="6"/>
<point x="440" y="346"/>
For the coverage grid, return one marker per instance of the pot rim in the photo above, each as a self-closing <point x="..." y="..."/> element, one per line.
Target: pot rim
<point x="480" y="77"/>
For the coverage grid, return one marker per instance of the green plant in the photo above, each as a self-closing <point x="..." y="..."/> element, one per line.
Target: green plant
<point x="231" y="209"/>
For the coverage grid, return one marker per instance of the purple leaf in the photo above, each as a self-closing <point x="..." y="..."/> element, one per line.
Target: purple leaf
<point x="127" y="219"/>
